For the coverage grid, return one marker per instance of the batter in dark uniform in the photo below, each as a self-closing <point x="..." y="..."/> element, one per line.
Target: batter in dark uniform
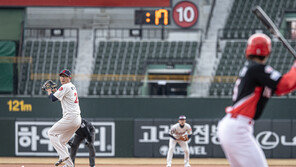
<point x="256" y="83"/>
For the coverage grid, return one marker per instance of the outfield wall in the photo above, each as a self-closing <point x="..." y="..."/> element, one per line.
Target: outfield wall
<point x="195" y="108"/>
<point x="138" y="127"/>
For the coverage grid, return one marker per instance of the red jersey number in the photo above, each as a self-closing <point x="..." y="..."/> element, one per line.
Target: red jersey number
<point x="76" y="100"/>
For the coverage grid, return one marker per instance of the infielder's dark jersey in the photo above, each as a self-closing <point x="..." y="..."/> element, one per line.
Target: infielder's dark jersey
<point x="85" y="129"/>
<point x="255" y="85"/>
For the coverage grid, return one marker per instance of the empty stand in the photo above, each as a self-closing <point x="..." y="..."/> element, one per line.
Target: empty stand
<point x="49" y="56"/>
<point x="242" y="23"/>
<point x="233" y="59"/>
<point x="120" y="65"/>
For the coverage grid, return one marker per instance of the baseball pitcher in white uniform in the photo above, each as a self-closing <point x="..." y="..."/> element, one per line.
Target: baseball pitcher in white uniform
<point x="61" y="132"/>
<point x="179" y="133"/>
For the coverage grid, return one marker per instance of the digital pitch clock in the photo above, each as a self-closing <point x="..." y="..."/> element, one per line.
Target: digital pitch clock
<point x="152" y="17"/>
<point x="184" y="14"/>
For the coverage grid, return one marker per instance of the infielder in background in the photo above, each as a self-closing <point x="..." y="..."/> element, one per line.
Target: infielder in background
<point x="180" y="133"/>
<point x="256" y="83"/>
<point x="61" y="132"/>
<point x="86" y="131"/>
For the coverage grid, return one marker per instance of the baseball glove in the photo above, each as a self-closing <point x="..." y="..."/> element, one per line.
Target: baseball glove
<point x="184" y="138"/>
<point x="49" y="84"/>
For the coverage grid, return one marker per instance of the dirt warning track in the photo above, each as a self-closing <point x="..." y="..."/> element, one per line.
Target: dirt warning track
<point x="131" y="162"/>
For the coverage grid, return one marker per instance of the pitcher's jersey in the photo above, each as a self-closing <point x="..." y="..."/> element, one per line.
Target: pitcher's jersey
<point x="177" y="131"/>
<point x="67" y="94"/>
<point x="255" y="85"/>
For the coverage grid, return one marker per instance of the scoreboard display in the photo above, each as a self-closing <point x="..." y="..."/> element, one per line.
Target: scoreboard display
<point x="184" y="14"/>
<point x="152" y="17"/>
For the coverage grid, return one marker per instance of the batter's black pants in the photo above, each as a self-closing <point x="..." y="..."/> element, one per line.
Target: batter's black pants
<point x="75" y="144"/>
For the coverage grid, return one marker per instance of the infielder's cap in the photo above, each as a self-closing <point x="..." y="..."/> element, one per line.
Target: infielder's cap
<point x="65" y="72"/>
<point x="182" y="117"/>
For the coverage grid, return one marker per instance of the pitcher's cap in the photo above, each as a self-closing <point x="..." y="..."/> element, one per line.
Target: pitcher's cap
<point x="182" y="117"/>
<point x="65" y="72"/>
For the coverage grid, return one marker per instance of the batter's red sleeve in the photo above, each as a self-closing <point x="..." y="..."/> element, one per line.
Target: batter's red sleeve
<point x="287" y="83"/>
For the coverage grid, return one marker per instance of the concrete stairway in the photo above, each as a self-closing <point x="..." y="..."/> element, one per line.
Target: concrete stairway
<point x="204" y="70"/>
<point x="84" y="61"/>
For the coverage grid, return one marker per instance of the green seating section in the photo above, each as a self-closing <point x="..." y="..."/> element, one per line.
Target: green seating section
<point x="121" y="59"/>
<point x="241" y="22"/>
<point x="240" y="25"/>
<point x="48" y="58"/>
<point x="233" y="59"/>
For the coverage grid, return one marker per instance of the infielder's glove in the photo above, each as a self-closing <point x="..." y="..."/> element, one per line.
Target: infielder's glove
<point x="49" y="84"/>
<point x="184" y="138"/>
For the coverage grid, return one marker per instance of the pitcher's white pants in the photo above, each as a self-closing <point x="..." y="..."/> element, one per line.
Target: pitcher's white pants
<point x="61" y="132"/>
<point x="238" y="143"/>
<point x="185" y="148"/>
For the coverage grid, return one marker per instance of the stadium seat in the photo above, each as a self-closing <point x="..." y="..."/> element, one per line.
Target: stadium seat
<point x="232" y="60"/>
<point x="48" y="57"/>
<point x="128" y="59"/>
<point x="241" y="20"/>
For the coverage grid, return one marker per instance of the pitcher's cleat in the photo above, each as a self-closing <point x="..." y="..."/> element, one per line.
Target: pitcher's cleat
<point x="60" y="161"/>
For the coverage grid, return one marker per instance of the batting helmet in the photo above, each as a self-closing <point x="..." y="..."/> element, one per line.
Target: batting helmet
<point x="259" y="45"/>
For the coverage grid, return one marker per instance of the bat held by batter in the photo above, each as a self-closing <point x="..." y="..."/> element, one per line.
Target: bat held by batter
<point x="264" y="18"/>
